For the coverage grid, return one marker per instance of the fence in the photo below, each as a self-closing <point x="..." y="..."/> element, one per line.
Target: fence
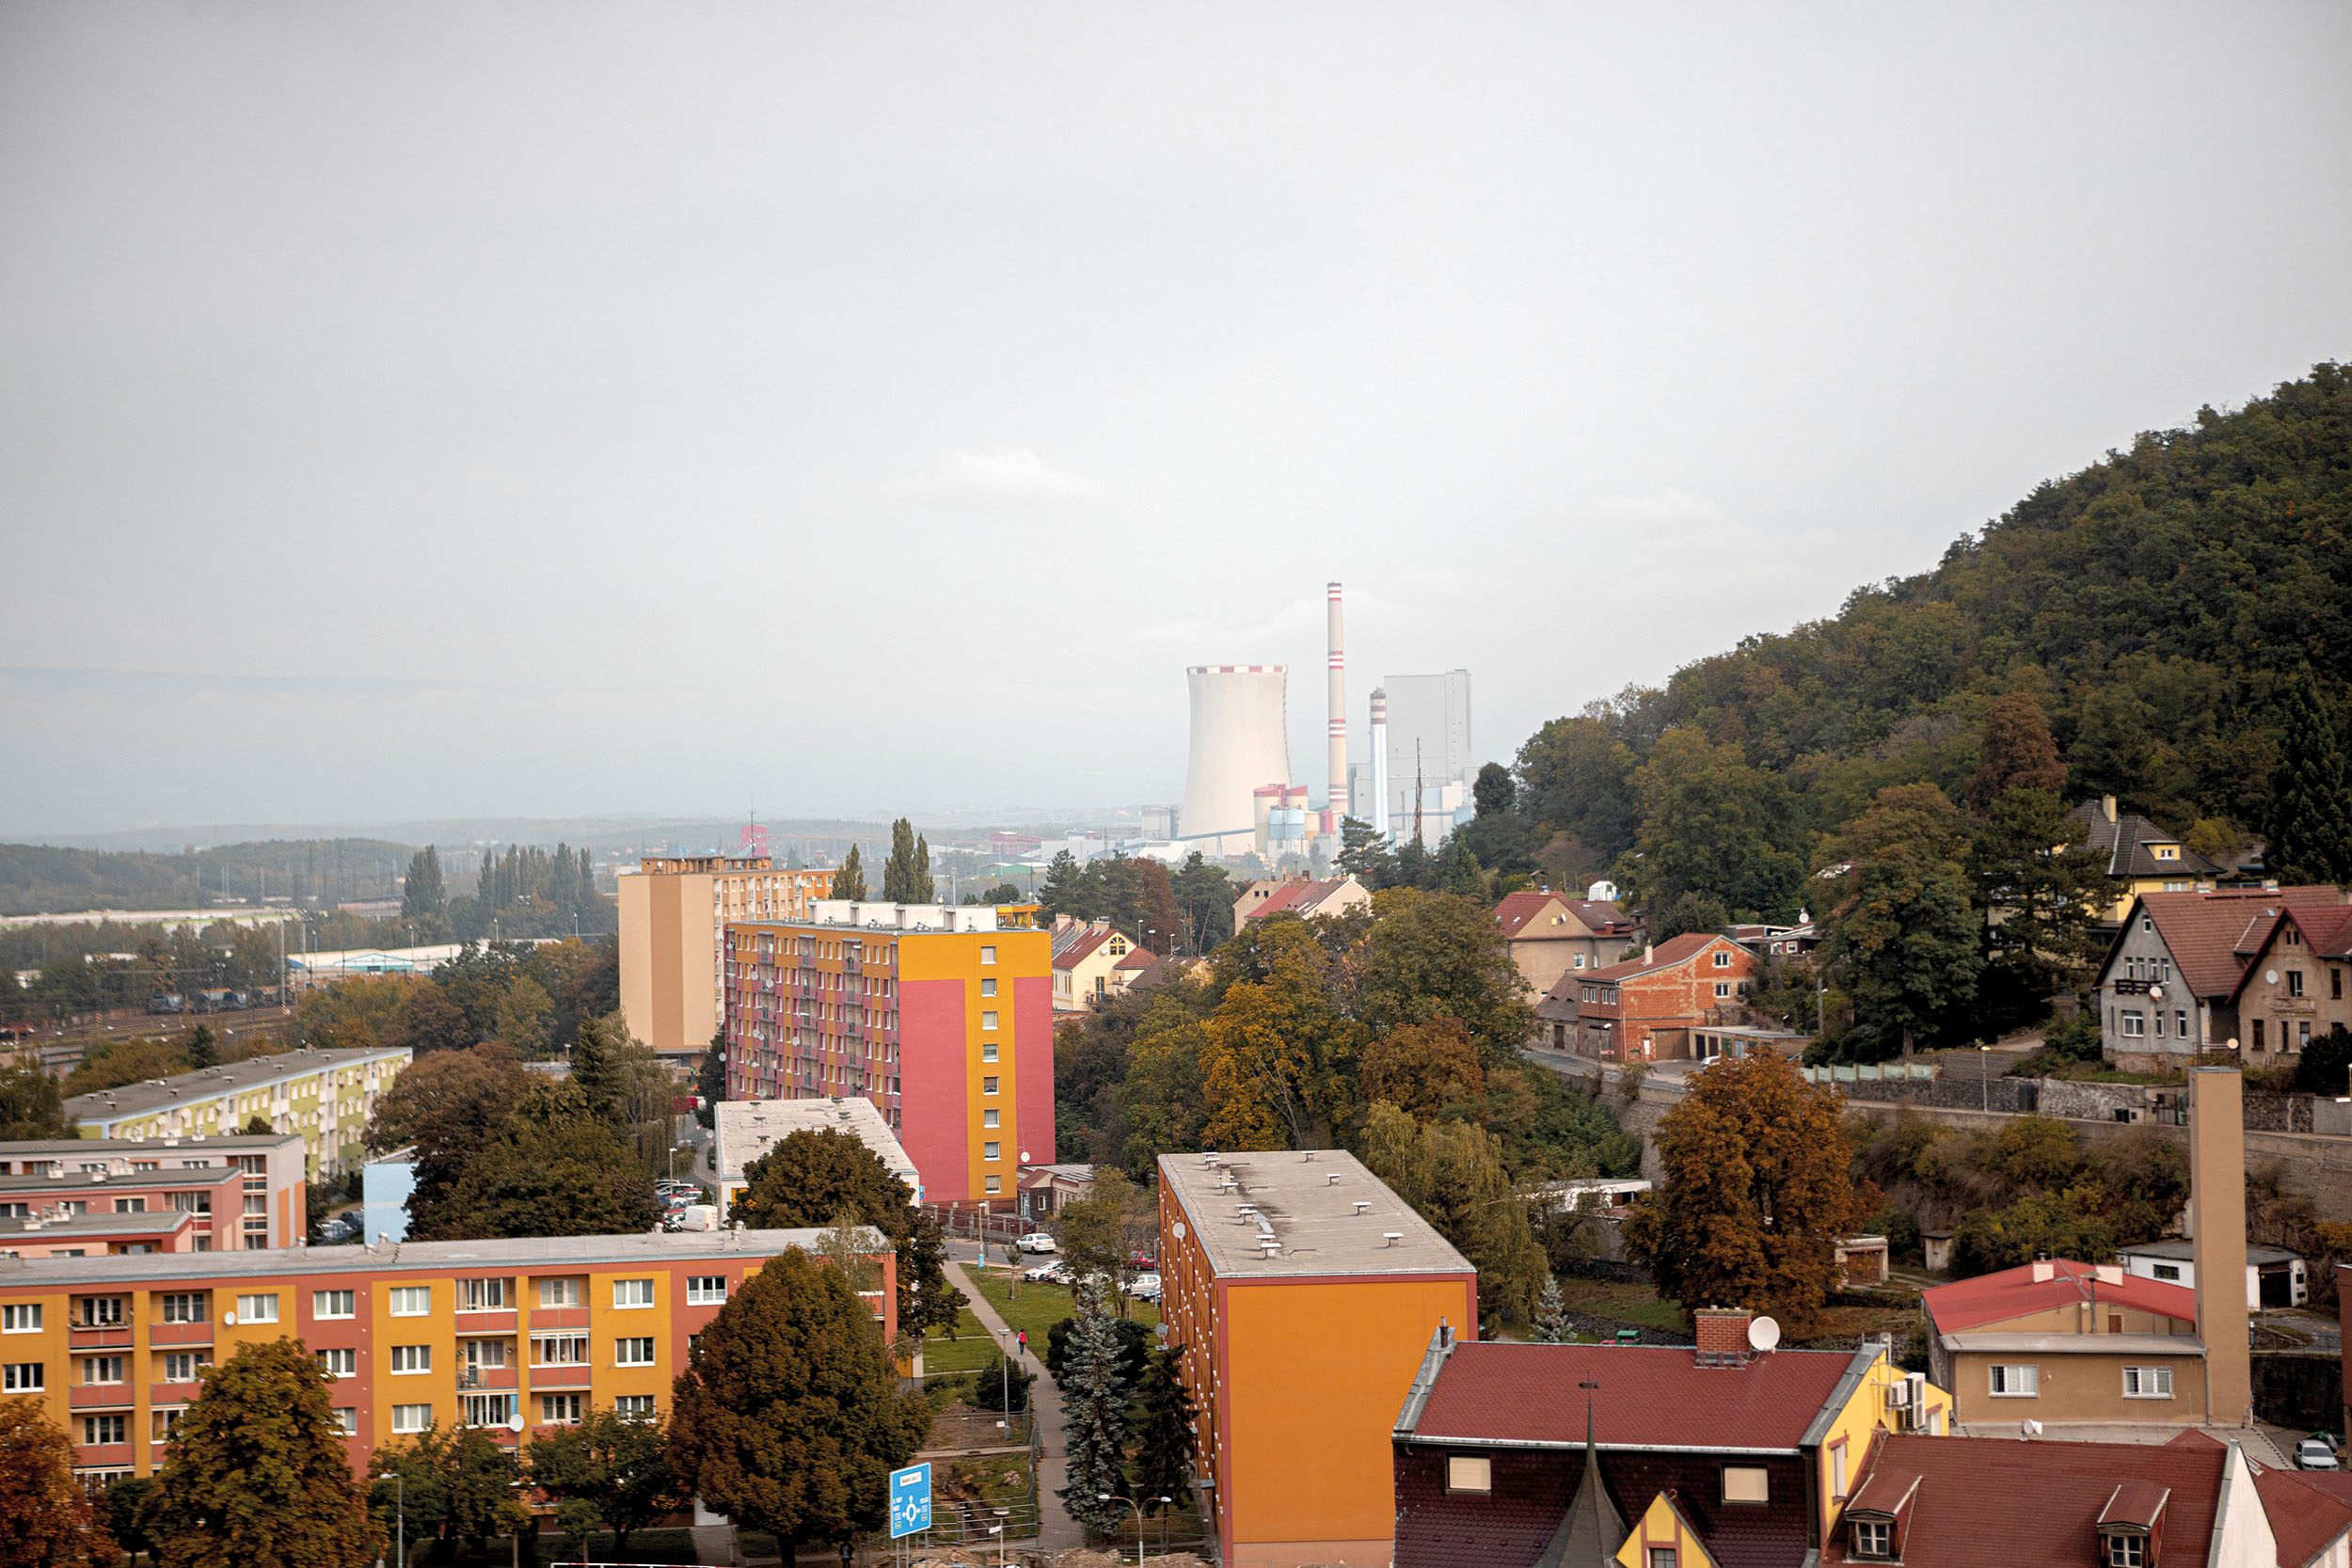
<point x="1874" y="1072"/>
<point x="973" y="1223"/>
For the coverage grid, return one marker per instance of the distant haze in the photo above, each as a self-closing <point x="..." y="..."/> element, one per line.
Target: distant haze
<point x="415" y="411"/>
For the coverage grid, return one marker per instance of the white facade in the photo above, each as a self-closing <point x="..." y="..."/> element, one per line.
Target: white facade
<point x="746" y="1129"/>
<point x="1239" y="744"/>
<point x="1433" y="714"/>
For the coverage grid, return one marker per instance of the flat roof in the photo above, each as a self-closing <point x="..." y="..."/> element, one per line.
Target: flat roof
<point x="86" y="1181"/>
<point x="35" y="1148"/>
<point x="154" y="1094"/>
<point x="2186" y="1252"/>
<point x="535" y="1254"/>
<point x="746" y="1127"/>
<point x="2080" y="1344"/>
<point x="1306" y="1201"/>
<point x="17" y="1233"/>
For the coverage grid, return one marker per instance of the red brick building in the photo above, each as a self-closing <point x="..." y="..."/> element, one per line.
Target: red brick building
<point x="1645" y="1008"/>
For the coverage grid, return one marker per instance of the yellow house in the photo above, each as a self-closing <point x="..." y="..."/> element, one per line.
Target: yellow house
<point x="2140" y="856"/>
<point x="1092" y="962"/>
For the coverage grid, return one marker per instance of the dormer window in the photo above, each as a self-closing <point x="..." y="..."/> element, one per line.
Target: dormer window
<point x="2166" y="851"/>
<point x="2123" y="1550"/>
<point x="1873" y="1538"/>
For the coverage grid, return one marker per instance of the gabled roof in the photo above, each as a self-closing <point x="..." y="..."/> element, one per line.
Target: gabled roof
<point x="1676" y="950"/>
<point x="1987" y="1502"/>
<point x="1300" y="898"/>
<point x="2125" y="842"/>
<point x="1531" y="915"/>
<point x="1601" y="915"/>
<point x="1087" y="941"/>
<point x="2326" y="928"/>
<point x="1993" y="1298"/>
<point x="2210" y="935"/>
<point x="1514" y="1395"/>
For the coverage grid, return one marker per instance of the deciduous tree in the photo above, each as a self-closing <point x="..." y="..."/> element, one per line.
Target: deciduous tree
<point x="256" y="1474"/>
<point x="619" y="1463"/>
<point x="1904" y="936"/>
<point x="1452" y="1174"/>
<point x="788" y="1419"/>
<point x="1424" y="1067"/>
<point x="1278" y="1063"/>
<point x="814" y="1176"/>
<point x="2017" y="751"/>
<point x="849" y="881"/>
<point x="1756" y="1189"/>
<point x="1432" y="955"/>
<point x="46" y="1521"/>
<point x="1712" y="824"/>
<point x="30" y="1105"/>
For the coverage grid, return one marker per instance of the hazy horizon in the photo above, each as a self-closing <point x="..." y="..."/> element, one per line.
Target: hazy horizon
<point x="438" y="411"/>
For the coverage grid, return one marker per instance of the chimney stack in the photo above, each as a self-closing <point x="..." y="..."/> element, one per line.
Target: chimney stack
<point x="1722" y="1331"/>
<point x="1380" y="762"/>
<point x="2217" y="1212"/>
<point x="1338" y="801"/>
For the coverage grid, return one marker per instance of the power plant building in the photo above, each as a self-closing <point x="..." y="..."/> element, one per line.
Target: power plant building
<point x="1429" y="730"/>
<point x="1240" y="745"/>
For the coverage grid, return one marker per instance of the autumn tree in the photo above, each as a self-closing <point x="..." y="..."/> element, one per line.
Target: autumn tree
<point x="788" y="1419"/>
<point x="257" y="1472"/>
<point x="1904" y="936"/>
<point x="2017" y="751"/>
<point x="48" y="1521"/>
<point x="1422" y="1067"/>
<point x="618" y="1462"/>
<point x="1277" y="1062"/>
<point x="1758" y="1188"/>
<point x="1451" y="1175"/>
<point x="816" y="1176"/>
<point x="427" y="1020"/>
<point x="1430" y="955"/>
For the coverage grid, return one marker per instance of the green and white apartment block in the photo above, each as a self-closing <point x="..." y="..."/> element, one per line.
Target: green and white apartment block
<point x="322" y="1096"/>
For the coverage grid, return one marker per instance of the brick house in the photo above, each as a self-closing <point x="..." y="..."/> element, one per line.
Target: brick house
<point x="2168" y="989"/>
<point x="2292" y="987"/>
<point x="1550" y="934"/>
<point x="1557" y="1456"/>
<point x="1644" y="1009"/>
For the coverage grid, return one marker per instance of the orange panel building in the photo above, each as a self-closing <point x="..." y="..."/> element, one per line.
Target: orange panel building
<point x="1303" y="1292"/>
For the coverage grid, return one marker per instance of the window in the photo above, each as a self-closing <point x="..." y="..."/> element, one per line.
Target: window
<point x="2180" y="1021"/>
<point x="1661" y="1556"/>
<point x="1723" y="961"/>
<point x="333" y="1303"/>
<point x="988" y="1085"/>
<point x="632" y="1292"/>
<point x="19" y="1377"/>
<point x="634" y="1405"/>
<point x="183" y="1366"/>
<point x="988" y="988"/>
<point x="257" y="1309"/>
<point x="412" y="1358"/>
<point x="2294" y="982"/>
<point x="347" y="1420"/>
<point x="2016" y="1383"/>
<point x="1746" y="1484"/>
<point x="485" y="1353"/>
<point x="130" y="1206"/>
<point x="487" y="1410"/>
<point x="1837" y="1469"/>
<point x="1466" y="1472"/>
<point x="1722" y="988"/>
<point x="988" y="1118"/>
<point x="2136" y="1025"/>
<point x="2302" y="1035"/>
<point x="412" y="1301"/>
<point x="412" y="1417"/>
<point x="102" y="1368"/>
<point x="2119" y="1550"/>
<point x="2165" y="1271"/>
<point x="1870" y="1538"/>
<point x="2147" y="1383"/>
<point x="105" y="1428"/>
<point x="706" y="1289"/>
<point x="256" y="1205"/>
<point x="558" y="1410"/>
<point x="2258" y="1034"/>
<point x="95" y="1482"/>
<point x="192" y="1203"/>
<point x="161" y="1422"/>
<point x="992" y="1151"/>
<point x="995" y="1183"/>
<point x="634" y="1353"/>
<point x="570" y="1350"/>
<point x="560" y="1293"/>
<point x="988" y="955"/>
<point x="988" y="1051"/>
<point x="21" y="1319"/>
<point x="100" y="1312"/>
<point x="485" y="1295"/>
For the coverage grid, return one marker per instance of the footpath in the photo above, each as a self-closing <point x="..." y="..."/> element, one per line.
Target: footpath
<point x="1057" y="1530"/>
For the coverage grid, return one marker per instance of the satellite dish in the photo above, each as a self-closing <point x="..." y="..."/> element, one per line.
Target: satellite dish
<point x="229" y="1318"/>
<point x="2156" y="994"/>
<point x="515" y="1422"/>
<point x="1763" y="1334"/>
<point x="1179" y="1228"/>
<point x="1025" y="1156"/>
<point x="2271" y="976"/>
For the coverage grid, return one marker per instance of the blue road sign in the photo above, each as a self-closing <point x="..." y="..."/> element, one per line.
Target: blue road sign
<point x="910" y="1501"/>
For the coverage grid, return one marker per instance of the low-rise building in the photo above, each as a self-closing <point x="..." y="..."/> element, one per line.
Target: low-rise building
<point x="1045" y="1189"/>
<point x="1550" y="934"/>
<point x="2292" y="990"/>
<point x="322" y="1097"/>
<point x="744" y="1129"/>
<point x="240" y="1193"/>
<point x="385" y="1185"/>
<point x="1646" y="1008"/>
<point x="125" y="1234"/>
<point x="1302" y="1292"/>
<point x="2274" y="1276"/>
<point x="2060" y="1341"/>
<point x="1531" y="1454"/>
<point x="1093" y="962"/>
<point x="672" y="909"/>
<point x="1303" y="896"/>
<point x="510" y="1338"/>
<point x="2138" y="855"/>
<point x="2170" y="987"/>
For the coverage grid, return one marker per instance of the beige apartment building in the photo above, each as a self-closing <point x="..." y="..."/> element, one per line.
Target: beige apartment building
<point x="673" y="909"/>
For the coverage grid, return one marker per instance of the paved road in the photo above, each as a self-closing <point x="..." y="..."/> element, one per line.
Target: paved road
<point x="1057" y="1529"/>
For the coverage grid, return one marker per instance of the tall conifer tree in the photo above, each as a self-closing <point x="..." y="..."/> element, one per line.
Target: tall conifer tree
<point x="2310" y="810"/>
<point x="921" y="882"/>
<point x="1094" y="1414"/>
<point x="849" y="881"/>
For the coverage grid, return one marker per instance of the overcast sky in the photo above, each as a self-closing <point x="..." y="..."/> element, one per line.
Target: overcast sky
<point x="411" y="410"/>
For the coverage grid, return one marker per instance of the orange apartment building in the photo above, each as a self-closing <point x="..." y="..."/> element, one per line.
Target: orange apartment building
<point x="942" y="1015"/>
<point x="1645" y="1008"/>
<point x="510" y="1336"/>
<point x="673" y="909"/>
<point x="1303" y="1294"/>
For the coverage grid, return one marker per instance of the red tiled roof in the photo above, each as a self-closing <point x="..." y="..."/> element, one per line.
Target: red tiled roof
<point x="1517" y="909"/>
<point x="1300" y="898"/>
<point x="1649" y="1396"/>
<point x="2205" y="932"/>
<point x="2307" y="1508"/>
<point x="2326" y="930"/>
<point x="1986" y="1502"/>
<point x="1599" y="913"/>
<point x="1993" y="1298"/>
<point x="1670" y="953"/>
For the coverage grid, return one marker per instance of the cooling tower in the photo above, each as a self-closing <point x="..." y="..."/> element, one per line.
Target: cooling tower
<point x="1336" y="692"/>
<point x="1239" y="743"/>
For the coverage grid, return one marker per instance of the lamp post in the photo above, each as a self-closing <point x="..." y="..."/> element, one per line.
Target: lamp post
<point x="1139" y="1508"/>
<point x="1984" y="1082"/>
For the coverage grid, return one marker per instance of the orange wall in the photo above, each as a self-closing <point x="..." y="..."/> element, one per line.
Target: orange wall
<point x="955" y="956"/>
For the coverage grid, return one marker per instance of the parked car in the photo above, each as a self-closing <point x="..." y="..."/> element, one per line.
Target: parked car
<point x="1044" y="1273"/>
<point x="1036" y="1240"/>
<point x="2313" y="1454"/>
<point x="1142" y="1261"/>
<point x="1144" y="1287"/>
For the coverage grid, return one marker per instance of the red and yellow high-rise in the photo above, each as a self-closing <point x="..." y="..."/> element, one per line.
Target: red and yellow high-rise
<point x="941" y="1016"/>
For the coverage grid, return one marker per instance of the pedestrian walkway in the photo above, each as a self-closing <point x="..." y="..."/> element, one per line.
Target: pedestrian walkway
<point x="1057" y="1529"/>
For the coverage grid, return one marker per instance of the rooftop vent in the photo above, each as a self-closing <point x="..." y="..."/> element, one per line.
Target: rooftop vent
<point x="1391" y="1237"/>
<point x="1362" y="1206"/>
<point x="1331" y="1178"/>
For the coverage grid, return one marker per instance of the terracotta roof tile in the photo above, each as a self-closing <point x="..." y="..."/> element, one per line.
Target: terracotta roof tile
<point x="2204" y="931"/>
<point x="1648" y="1395"/>
<point x="1518" y="910"/>
<point x="1993" y="1298"/>
<point x="1669" y="952"/>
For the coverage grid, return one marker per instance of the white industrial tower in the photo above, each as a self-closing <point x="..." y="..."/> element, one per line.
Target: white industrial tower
<point x="1380" y="762"/>
<point x="1337" y="693"/>
<point x="1240" y="744"/>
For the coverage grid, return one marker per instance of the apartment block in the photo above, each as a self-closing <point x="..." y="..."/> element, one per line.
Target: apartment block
<point x="322" y="1097"/>
<point x="510" y="1336"/>
<point x="941" y="1015"/>
<point x="1303" y="1294"/>
<point x="673" y="909"/>
<point x="236" y="1193"/>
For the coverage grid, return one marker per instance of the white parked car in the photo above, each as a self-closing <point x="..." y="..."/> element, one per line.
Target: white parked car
<point x="1044" y="1273"/>
<point x="2312" y="1454"/>
<point x="1036" y="1240"/>
<point x="1145" y="1287"/>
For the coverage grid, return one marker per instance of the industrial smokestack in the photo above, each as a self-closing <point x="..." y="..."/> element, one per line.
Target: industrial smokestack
<point x="1338" y="711"/>
<point x="1380" y="762"/>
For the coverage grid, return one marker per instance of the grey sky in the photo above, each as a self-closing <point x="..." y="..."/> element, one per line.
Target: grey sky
<point x="551" y="409"/>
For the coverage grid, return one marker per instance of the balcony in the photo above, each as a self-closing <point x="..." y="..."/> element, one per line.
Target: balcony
<point x="111" y="1337"/>
<point x="496" y="1320"/>
<point x="485" y="1380"/>
<point x="160" y="1394"/>
<point x="560" y="1379"/>
<point x="101" y="1396"/>
<point x="558" y="1317"/>
<point x="179" y="1334"/>
<point x="102" y="1455"/>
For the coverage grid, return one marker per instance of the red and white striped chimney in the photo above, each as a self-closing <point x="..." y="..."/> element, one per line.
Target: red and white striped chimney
<point x="1339" y="714"/>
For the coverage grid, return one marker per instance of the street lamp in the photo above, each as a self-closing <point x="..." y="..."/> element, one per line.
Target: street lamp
<point x="1139" y="1508"/>
<point x="1984" y="1082"/>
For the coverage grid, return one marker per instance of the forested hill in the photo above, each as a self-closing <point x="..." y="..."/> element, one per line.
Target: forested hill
<point x="42" y="880"/>
<point x="2156" y="605"/>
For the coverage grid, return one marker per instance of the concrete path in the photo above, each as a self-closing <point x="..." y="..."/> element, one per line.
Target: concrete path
<point x="714" y="1543"/>
<point x="1057" y="1529"/>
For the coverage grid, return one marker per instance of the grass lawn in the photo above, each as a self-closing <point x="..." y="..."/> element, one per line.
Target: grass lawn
<point x="994" y="1481"/>
<point x="1040" y="1306"/>
<point x="968" y="1352"/>
<point x="1628" y="1303"/>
